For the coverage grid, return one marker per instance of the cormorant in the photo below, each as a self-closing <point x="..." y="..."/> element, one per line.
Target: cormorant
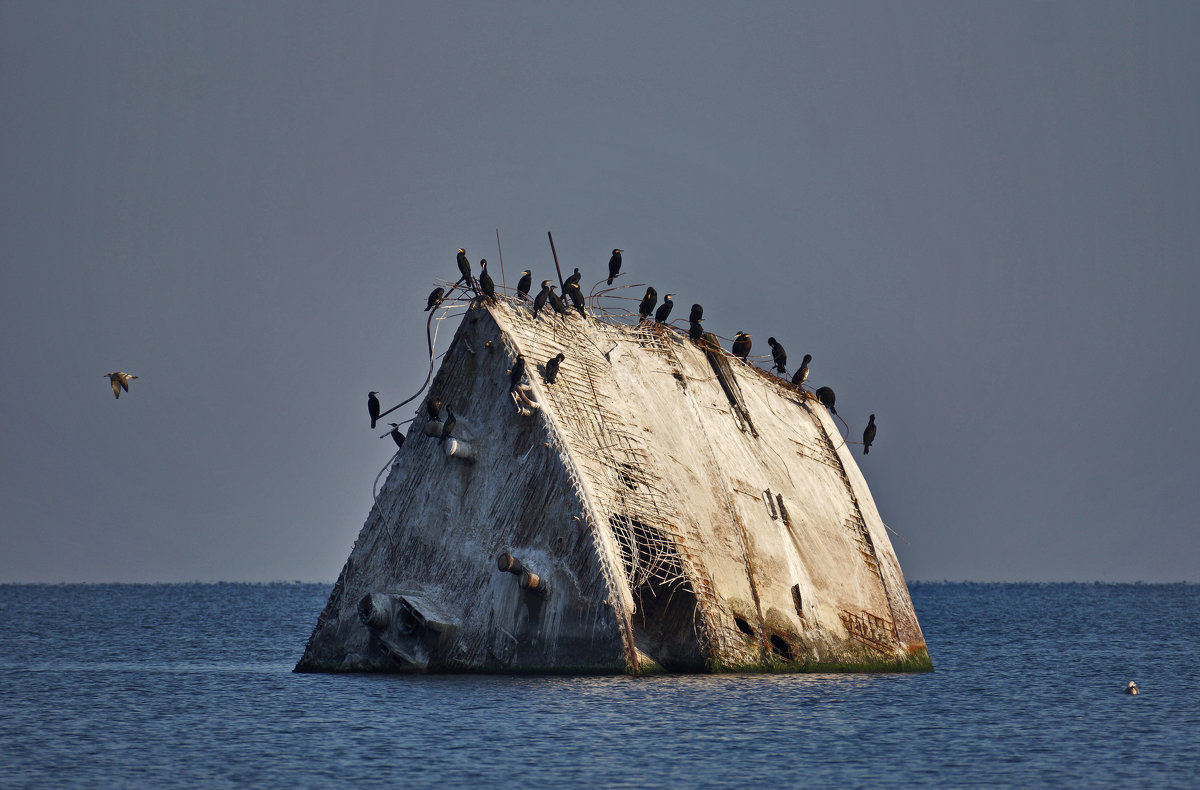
<point x="801" y="375"/>
<point x="397" y="437"/>
<point x="557" y="304"/>
<point x="435" y="298"/>
<point x="827" y="398"/>
<point x="486" y="286"/>
<point x="741" y="346"/>
<point x="433" y="408"/>
<point x="448" y="426"/>
<point x="778" y="354"/>
<point x="614" y="265"/>
<point x="869" y="435"/>
<point x="518" y="370"/>
<point x="697" y="314"/>
<point x="664" y="309"/>
<point x="120" y="381"/>
<point x="464" y="266"/>
<point x="695" y="331"/>
<point x="574" y="278"/>
<point x="552" y="368"/>
<point x="524" y="283"/>
<point x="539" y="301"/>
<point x="647" y="305"/>
<point x="373" y="407"/>
<point x="576" y="298"/>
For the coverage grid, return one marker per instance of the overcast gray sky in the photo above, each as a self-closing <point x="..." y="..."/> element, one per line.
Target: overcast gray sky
<point x="982" y="219"/>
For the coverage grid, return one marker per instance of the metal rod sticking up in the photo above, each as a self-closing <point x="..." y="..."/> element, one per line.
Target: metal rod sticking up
<point x="503" y="282"/>
<point x="557" y="268"/>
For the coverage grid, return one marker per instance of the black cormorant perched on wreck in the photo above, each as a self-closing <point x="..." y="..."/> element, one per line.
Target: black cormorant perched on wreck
<point x="464" y="267"/>
<point x="435" y="298"/>
<point x="778" y="354"/>
<point x="741" y="346"/>
<point x="614" y="265"/>
<point x="448" y="426"/>
<point x="647" y="305"/>
<point x="827" y="398"/>
<point x="539" y="301"/>
<point x="695" y="331"/>
<point x="869" y="435"/>
<point x="801" y="375"/>
<point x="524" y="283"/>
<point x="574" y="278"/>
<point x="664" y="310"/>
<point x="576" y="298"/>
<point x="373" y="407"/>
<point x="517" y="371"/>
<point x="433" y="407"/>
<point x="120" y="381"/>
<point x="486" y="286"/>
<point x="552" y="368"/>
<point x="397" y="437"/>
<point x="697" y="314"/>
<point x="557" y="304"/>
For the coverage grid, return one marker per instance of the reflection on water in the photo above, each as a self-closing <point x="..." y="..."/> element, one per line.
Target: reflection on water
<point x="186" y="685"/>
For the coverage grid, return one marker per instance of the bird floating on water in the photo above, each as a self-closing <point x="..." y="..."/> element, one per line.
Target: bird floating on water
<point x="1132" y="688"/>
<point x="120" y="381"/>
<point x="614" y="265"/>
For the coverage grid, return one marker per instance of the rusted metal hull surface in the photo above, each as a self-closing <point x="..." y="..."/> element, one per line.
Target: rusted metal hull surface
<point x="680" y="519"/>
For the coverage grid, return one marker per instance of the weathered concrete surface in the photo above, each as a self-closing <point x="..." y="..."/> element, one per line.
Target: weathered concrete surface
<point x="685" y="511"/>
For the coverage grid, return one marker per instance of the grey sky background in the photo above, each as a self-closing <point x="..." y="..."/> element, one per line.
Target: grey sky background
<point x="981" y="219"/>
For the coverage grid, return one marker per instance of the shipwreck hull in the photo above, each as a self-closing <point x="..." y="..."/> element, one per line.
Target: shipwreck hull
<point x="661" y="506"/>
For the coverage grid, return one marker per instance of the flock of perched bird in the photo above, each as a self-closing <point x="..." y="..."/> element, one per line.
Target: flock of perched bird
<point x="485" y="288"/>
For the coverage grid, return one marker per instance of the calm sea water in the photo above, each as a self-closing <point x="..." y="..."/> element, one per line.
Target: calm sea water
<point x="191" y="686"/>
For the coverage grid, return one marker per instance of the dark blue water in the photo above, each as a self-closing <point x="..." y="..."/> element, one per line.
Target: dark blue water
<point x="191" y="686"/>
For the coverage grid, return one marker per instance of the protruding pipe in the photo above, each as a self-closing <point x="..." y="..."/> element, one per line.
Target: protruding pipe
<point x="433" y="428"/>
<point x="509" y="564"/>
<point x="534" y="583"/>
<point x="375" y="610"/>
<point x="457" y="448"/>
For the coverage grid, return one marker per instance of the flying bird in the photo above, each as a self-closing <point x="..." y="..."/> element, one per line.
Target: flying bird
<point x="524" y="283"/>
<point x="869" y="435"/>
<point x="614" y="265"/>
<point x="741" y="345"/>
<point x="373" y="407"/>
<point x="435" y="298"/>
<point x="778" y="354"/>
<point x="664" y="310"/>
<point x="801" y="375"/>
<point x="397" y="437"/>
<point x="552" y="368"/>
<point x="120" y="381"/>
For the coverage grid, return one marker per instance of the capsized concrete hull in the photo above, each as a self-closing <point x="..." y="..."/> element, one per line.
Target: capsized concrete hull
<point x="660" y="506"/>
